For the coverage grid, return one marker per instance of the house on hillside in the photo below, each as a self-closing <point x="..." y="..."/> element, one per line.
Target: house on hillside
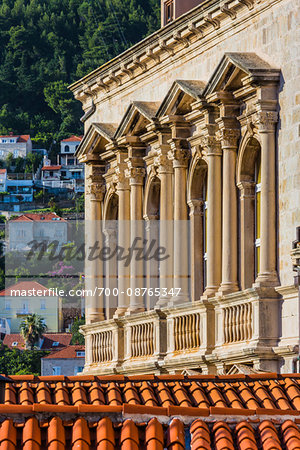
<point x="71" y="168"/>
<point x="17" y="145"/>
<point x="15" y="187"/>
<point x="27" y="297"/>
<point x="47" y="227"/>
<point x="52" y="342"/>
<point x="68" y="361"/>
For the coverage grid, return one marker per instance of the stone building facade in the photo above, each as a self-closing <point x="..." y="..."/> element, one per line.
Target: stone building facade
<point x="198" y="123"/>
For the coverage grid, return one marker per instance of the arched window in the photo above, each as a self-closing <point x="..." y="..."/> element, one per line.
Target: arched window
<point x="198" y="227"/>
<point x="249" y="183"/>
<point x="67" y="148"/>
<point x="257" y="212"/>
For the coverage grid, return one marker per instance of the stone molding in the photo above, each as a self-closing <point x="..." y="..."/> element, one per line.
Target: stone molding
<point x="166" y="42"/>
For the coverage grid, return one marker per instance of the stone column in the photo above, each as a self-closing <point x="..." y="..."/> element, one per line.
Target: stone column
<point x="136" y="181"/>
<point x="247" y="218"/>
<point x="196" y="248"/>
<point x="123" y="192"/>
<point x="228" y="137"/>
<point x="179" y="157"/>
<point x="165" y="174"/>
<point x="265" y="122"/>
<point x="214" y="216"/>
<point x="94" y="194"/>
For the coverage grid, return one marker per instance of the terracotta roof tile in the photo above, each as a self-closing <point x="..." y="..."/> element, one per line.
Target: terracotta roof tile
<point x="215" y="395"/>
<point x="113" y="394"/>
<point x="90" y="412"/>
<point x="200" y="436"/>
<point x="105" y="435"/>
<point x="147" y="394"/>
<point x="81" y="435"/>
<point x="25" y="394"/>
<point x="31" y="435"/>
<point x="130" y="394"/>
<point x="175" y="435"/>
<point x="268" y="436"/>
<point x="164" y="395"/>
<point x="56" y="439"/>
<point x="154" y="435"/>
<point x="96" y="394"/>
<point x="245" y="436"/>
<point x="8" y="435"/>
<point x="78" y="394"/>
<point x="222" y="436"/>
<point x="290" y="435"/>
<point x="129" y="439"/>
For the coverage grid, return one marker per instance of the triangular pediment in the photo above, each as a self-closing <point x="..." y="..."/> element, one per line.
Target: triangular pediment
<point x="95" y="140"/>
<point x="234" y="67"/>
<point x="136" y="118"/>
<point x="180" y="97"/>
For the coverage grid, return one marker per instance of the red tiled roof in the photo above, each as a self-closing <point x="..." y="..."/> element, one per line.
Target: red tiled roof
<point x="37" y="217"/>
<point x="73" y="139"/>
<point x="69" y="352"/>
<point x="2" y="170"/>
<point x="63" y="339"/>
<point x="51" y="167"/>
<point x="21" y="137"/>
<point x="25" y="286"/>
<point x="152" y="412"/>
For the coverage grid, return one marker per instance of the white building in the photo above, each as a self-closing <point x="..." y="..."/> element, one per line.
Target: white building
<point x="15" y="187"/>
<point x="71" y="169"/>
<point x="18" y="145"/>
<point x="47" y="227"/>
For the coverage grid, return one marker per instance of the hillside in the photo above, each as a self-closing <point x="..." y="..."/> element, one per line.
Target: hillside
<point x="47" y="44"/>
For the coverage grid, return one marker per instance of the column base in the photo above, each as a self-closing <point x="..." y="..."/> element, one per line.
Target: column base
<point x="266" y="279"/>
<point x="228" y="288"/>
<point x="94" y="318"/>
<point x="209" y="292"/>
<point x="134" y="310"/>
<point x="120" y="312"/>
<point x="179" y="300"/>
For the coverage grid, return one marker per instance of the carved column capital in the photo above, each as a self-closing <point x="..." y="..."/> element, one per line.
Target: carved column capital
<point x="228" y="137"/>
<point x="136" y="175"/>
<point x="120" y="179"/>
<point x="180" y="157"/>
<point x="247" y="189"/>
<point x="163" y="164"/>
<point x="211" y="145"/>
<point x="96" y="182"/>
<point x="196" y="207"/>
<point x="265" y="120"/>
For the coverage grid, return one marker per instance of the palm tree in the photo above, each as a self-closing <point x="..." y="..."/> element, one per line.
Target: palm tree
<point x="32" y="328"/>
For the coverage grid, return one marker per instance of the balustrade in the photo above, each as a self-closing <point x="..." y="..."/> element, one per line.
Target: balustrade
<point x="142" y="339"/>
<point x="237" y="323"/>
<point x="186" y="332"/>
<point x="102" y="346"/>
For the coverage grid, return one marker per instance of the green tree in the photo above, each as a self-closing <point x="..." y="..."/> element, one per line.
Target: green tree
<point x="20" y="362"/>
<point x="32" y="328"/>
<point x="77" y="337"/>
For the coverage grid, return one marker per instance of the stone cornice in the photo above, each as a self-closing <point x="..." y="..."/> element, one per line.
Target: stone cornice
<point x="209" y="18"/>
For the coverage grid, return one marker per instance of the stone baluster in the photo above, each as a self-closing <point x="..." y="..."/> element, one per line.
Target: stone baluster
<point x="94" y="193"/>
